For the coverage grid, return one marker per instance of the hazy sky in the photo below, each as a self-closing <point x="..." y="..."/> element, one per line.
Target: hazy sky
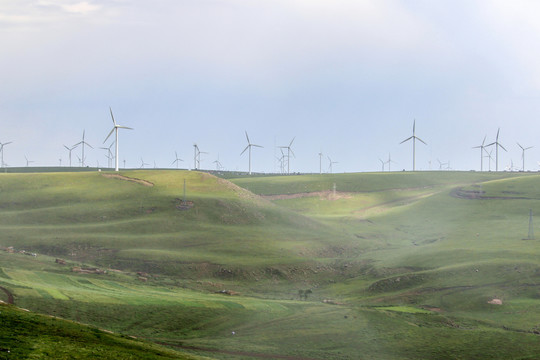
<point x="345" y="77"/>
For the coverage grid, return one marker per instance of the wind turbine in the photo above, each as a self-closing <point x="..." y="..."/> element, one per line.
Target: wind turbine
<point x="2" y="151"/>
<point x="70" y="149"/>
<point x="289" y="151"/>
<point x="109" y="154"/>
<point x="482" y="149"/>
<point x="497" y="145"/>
<point x="523" y="154"/>
<point x="115" y="129"/>
<point x="218" y="164"/>
<point x="390" y="161"/>
<point x="176" y="159"/>
<point x="248" y="147"/>
<point x="490" y="158"/>
<point x="331" y="163"/>
<point x="320" y="162"/>
<point x="441" y="164"/>
<point x="414" y="138"/>
<point x="82" y="143"/>
<point x="281" y="162"/>
<point x="27" y="161"/>
<point x="382" y="164"/>
<point x="143" y="164"/>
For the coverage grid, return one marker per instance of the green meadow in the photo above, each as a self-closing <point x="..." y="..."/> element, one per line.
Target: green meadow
<point x="337" y="266"/>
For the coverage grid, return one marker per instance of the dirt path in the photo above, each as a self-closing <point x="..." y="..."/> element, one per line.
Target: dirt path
<point x="9" y="295"/>
<point x="239" y="353"/>
<point x="135" y="180"/>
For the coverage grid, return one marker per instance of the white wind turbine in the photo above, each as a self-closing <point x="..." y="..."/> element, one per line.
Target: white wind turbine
<point x="382" y="164"/>
<point x="320" y="162"/>
<point x="414" y="138"/>
<point x="331" y="163"/>
<point x="2" y="151"/>
<point x="143" y="164"/>
<point x="83" y="158"/>
<point x="70" y="149"/>
<point x="523" y="154"/>
<point x="248" y="147"/>
<point x="390" y="161"/>
<point x="289" y="152"/>
<point x="482" y="149"/>
<point x="497" y="145"/>
<point x="109" y="155"/>
<point x="28" y="162"/>
<point x="176" y="159"/>
<point x="115" y="129"/>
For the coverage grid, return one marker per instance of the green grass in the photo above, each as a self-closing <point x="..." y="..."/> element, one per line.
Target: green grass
<point x="400" y="265"/>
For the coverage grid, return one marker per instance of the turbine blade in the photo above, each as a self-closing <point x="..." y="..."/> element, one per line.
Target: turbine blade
<point x="257" y="145"/>
<point x="112" y="116"/>
<point x="292" y="141"/>
<point x="108" y="136"/>
<point x="123" y="127"/>
<point x="407" y="139"/>
<point x="247" y="137"/>
<point x="502" y="147"/>
<point x="247" y="147"/>
<point x="421" y="140"/>
<point x="484" y="140"/>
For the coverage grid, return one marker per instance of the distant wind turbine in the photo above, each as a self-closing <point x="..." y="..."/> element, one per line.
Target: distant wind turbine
<point x="382" y="164"/>
<point x="390" y="161"/>
<point x="109" y="155"/>
<point x="289" y="152"/>
<point x="70" y="149"/>
<point x="248" y="147"/>
<point x="2" y="151"/>
<point x="143" y="164"/>
<point x="414" y="138"/>
<point x="497" y="145"/>
<point x="482" y="149"/>
<point x="83" y="142"/>
<point x="331" y="163"/>
<point x="115" y="129"/>
<point x="523" y="154"/>
<point x="320" y="162"/>
<point x="176" y="159"/>
<point x="28" y="162"/>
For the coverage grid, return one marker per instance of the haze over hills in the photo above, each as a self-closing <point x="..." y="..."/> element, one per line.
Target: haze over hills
<point x="387" y="265"/>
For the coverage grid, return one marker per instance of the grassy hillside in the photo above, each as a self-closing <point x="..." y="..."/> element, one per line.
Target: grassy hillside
<point x="392" y="265"/>
<point x="24" y="335"/>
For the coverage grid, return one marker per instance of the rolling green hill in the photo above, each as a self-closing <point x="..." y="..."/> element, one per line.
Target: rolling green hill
<point x="387" y="265"/>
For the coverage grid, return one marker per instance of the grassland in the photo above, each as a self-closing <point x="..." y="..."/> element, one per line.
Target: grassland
<point x="398" y="265"/>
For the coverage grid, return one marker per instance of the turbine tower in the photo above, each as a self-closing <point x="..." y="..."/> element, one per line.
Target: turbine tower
<point x="414" y="138"/>
<point x="248" y="147"/>
<point x="82" y="143"/>
<point x="2" y="151"/>
<point x="70" y="149"/>
<point x="331" y="163"/>
<point x="482" y="149"/>
<point x="176" y="159"/>
<point x="497" y="145"/>
<point x="289" y="151"/>
<point x="320" y="162"/>
<point x="27" y="161"/>
<point x="523" y="154"/>
<point x="115" y="129"/>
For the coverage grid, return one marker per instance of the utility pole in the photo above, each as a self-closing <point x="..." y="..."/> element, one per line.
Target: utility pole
<point x="531" y="230"/>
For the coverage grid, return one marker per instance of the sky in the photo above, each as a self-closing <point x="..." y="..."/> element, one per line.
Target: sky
<point x="343" y="77"/>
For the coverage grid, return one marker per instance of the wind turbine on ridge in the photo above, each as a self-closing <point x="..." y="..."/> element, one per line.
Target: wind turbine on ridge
<point x="143" y="164"/>
<point x="70" y="149"/>
<point x="497" y="145"/>
<point x="482" y="149"/>
<point x="414" y="138"/>
<point x="83" y="142"/>
<point x="390" y="161"/>
<point x="115" y="129"/>
<point x="331" y="163"/>
<point x="109" y="155"/>
<point x="176" y="159"/>
<point x="248" y="147"/>
<point x="523" y="154"/>
<point x="27" y="161"/>
<point x="289" y="151"/>
<point x="2" y="151"/>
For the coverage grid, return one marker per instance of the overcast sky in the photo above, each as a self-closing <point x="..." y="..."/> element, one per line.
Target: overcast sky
<point x="345" y="77"/>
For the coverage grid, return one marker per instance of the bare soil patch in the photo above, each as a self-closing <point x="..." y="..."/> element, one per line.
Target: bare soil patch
<point x="323" y="195"/>
<point x="9" y="295"/>
<point x="126" y="178"/>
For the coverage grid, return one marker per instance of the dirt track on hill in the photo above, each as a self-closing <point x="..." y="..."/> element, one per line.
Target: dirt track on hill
<point x="121" y="177"/>
<point x="9" y="295"/>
